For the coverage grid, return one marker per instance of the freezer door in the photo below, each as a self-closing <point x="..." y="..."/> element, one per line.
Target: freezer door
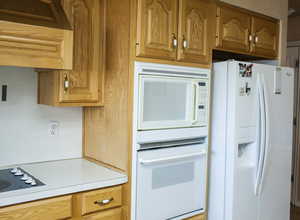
<point x="274" y="183"/>
<point x="246" y="143"/>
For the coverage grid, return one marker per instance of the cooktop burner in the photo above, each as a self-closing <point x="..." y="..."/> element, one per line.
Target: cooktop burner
<point x="17" y="178"/>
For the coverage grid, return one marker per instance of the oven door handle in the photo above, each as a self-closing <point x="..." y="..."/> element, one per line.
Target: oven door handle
<point x="172" y="158"/>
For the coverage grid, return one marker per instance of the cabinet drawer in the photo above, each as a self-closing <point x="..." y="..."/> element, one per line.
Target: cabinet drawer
<point x="49" y="209"/>
<point x="197" y="217"/>
<point x="101" y="199"/>
<point x="113" y="214"/>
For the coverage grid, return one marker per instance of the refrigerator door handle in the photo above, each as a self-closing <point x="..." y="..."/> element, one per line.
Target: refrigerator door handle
<point x="261" y="136"/>
<point x="267" y="140"/>
<point x="264" y="136"/>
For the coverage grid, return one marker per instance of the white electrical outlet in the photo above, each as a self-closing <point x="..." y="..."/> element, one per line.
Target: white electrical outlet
<point x="54" y="128"/>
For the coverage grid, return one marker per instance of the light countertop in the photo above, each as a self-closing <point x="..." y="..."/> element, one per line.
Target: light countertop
<point x="62" y="177"/>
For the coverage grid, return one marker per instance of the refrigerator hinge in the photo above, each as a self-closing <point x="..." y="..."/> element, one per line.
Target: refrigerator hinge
<point x="295" y="121"/>
<point x="297" y="63"/>
<point x="292" y="178"/>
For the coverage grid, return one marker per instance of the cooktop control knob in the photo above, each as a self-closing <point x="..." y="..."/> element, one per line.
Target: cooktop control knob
<point x="25" y="177"/>
<point x="14" y="170"/>
<point x="29" y="180"/>
<point x="18" y="173"/>
<point x="33" y="183"/>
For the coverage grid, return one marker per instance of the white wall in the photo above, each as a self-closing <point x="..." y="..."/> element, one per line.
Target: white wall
<point x="273" y="8"/>
<point x="24" y="125"/>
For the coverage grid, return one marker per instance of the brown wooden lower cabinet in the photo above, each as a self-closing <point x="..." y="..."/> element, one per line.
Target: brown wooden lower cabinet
<point x="101" y="204"/>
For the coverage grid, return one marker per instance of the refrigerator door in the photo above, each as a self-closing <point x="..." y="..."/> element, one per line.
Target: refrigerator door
<point x="274" y="183"/>
<point x="234" y="143"/>
<point x="246" y="144"/>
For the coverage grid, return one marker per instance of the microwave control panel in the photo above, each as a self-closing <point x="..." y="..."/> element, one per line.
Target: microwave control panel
<point x="203" y="102"/>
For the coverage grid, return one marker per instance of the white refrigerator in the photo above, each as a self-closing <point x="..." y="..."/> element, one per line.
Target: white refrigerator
<point x="251" y="155"/>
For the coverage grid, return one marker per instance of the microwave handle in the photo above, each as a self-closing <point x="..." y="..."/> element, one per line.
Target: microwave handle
<point x="172" y="158"/>
<point x="196" y="99"/>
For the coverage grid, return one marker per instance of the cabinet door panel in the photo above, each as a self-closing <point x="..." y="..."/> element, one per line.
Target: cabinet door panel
<point x="83" y="79"/>
<point x="196" y="28"/>
<point x="157" y="25"/>
<point x="265" y="32"/>
<point x="47" y="209"/>
<point x="233" y="30"/>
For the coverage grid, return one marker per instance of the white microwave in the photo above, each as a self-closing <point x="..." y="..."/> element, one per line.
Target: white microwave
<point x="172" y="100"/>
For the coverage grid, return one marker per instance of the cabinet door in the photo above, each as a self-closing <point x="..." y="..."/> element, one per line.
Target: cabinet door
<point x="81" y="84"/>
<point x="196" y="28"/>
<point x="47" y="209"/>
<point x="233" y="30"/>
<point x="157" y="28"/>
<point x="113" y="214"/>
<point x="265" y="37"/>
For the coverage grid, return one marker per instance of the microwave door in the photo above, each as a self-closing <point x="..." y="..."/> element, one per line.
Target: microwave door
<point x="165" y="102"/>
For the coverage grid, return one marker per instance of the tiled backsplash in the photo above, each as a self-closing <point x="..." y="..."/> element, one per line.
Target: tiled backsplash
<point x="25" y="126"/>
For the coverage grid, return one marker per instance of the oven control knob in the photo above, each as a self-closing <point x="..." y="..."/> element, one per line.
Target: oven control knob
<point x="29" y="180"/>
<point x="19" y="173"/>
<point x="14" y="170"/>
<point x="25" y="177"/>
<point x="33" y="183"/>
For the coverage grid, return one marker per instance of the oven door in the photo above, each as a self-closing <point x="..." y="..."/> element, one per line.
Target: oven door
<point x="171" y="182"/>
<point x="166" y="102"/>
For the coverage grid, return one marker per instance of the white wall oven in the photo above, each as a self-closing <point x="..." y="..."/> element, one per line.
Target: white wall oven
<point x="172" y="98"/>
<point x="170" y="135"/>
<point x="171" y="181"/>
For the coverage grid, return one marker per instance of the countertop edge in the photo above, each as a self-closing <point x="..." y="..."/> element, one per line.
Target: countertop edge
<point x="14" y="200"/>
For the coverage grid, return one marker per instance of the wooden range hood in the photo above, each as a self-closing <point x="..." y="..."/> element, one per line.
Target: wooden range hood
<point x="35" y="33"/>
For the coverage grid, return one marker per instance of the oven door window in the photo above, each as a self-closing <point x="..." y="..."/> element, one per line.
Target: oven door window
<point x="165" y="102"/>
<point x="171" y="181"/>
<point x="172" y="175"/>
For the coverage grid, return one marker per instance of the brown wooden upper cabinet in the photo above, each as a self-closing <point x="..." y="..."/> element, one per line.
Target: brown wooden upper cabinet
<point x="240" y="31"/>
<point x="83" y="85"/>
<point x="265" y="37"/>
<point x="177" y="30"/>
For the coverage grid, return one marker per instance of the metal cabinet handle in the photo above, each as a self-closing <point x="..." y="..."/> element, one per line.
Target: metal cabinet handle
<point x="250" y="38"/>
<point x="174" y="41"/>
<point x="66" y="83"/>
<point x="184" y="43"/>
<point x="256" y="39"/>
<point x="104" y="202"/>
